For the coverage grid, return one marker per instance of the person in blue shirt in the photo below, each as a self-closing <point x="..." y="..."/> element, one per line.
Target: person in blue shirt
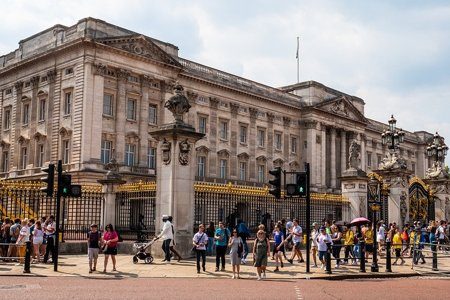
<point x="244" y="234"/>
<point x="221" y="236"/>
<point x="278" y="238"/>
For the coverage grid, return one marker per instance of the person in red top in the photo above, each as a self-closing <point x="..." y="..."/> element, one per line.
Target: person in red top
<point x="110" y="239"/>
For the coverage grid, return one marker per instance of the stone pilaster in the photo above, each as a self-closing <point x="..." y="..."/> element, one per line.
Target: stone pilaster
<point x="252" y="142"/>
<point x="121" y="114"/>
<point x="18" y="86"/>
<point x="362" y="138"/>
<point x="323" y="156"/>
<point x="343" y="151"/>
<point x="234" y="127"/>
<point x="269" y="146"/>
<point x="143" y="120"/>
<point x="333" y="157"/>
<point x="51" y="77"/>
<point x="33" y="118"/>
<point x="311" y="156"/>
<point x="213" y="165"/>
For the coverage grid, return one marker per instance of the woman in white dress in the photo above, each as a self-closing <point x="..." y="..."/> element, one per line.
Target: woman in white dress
<point x="236" y="245"/>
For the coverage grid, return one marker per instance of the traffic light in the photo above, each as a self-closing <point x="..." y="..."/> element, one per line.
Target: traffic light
<point x="275" y="182"/>
<point x="301" y="184"/>
<point x="49" y="179"/>
<point x="65" y="185"/>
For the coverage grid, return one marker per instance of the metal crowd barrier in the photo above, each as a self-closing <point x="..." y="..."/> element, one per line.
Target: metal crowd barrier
<point x="436" y="256"/>
<point x="26" y="258"/>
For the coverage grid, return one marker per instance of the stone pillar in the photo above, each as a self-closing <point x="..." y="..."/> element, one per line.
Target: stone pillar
<point x="252" y="142"/>
<point x="364" y="152"/>
<point x="121" y="114"/>
<point x="33" y="119"/>
<point x="354" y="188"/>
<point x="213" y="166"/>
<point x="333" y="157"/>
<point x="270" y="117"/>
<point x="176" y="172"/>
<point x="311" y="155"/>
<point x="109" y="188"/>
<point x="440" y="194"/>
<point x="234" y="127"/>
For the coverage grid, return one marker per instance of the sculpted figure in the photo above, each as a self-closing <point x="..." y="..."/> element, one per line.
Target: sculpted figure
<point x="178" y="104"/>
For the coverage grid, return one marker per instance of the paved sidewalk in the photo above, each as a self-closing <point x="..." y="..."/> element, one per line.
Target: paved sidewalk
<point x="77" y="265"/>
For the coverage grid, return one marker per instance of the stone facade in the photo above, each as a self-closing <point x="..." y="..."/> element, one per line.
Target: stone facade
<point x="93" y="90"/>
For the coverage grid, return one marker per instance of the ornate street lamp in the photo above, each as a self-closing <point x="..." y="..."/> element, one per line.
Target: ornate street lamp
<point x="437" y="150"/>
<point x="392" y="137"/>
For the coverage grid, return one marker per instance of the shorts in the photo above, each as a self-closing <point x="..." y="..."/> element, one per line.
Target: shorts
<point x="322" y="254"/>
<point x="261" y="260"/>
<point x="398" y="252"/>
<point x="110" y="251"/>
<point x="369" y="248"/>
<point x="275" y="248"/>
<point x="38" y="240"/>
<point x="297" y="245"/>
<point x="93" y="253"/>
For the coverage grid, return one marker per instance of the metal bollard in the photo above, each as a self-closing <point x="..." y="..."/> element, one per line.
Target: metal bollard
<point x="435" y="258"/>
<point x="362" y="257"/>
<point x="26" y="268"/>
<point x="328" y="259"/>
<point x="388" y="256"/>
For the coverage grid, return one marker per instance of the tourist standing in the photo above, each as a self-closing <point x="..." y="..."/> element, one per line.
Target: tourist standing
<point x="244" y="234"/>
<point x="336" y="238"/>
<point x="6" y="236"/>
<point x="38" y="239"/>
<point x="50" y="231"/>
<point x="261" y="251"/>
<point x="221" y="236"/>
<point x="368" y="239"/>
<point x="278" y="247"/>
<point x="381" y="236"/>
<point x="236" y="248"/>
<point x="14" y="231"/>
<point x="110" y="240"/>
<point x="349" y="242"/>
<point x="210" y="233"/>
<point x="322" y="241"/>
<point x="94" y="241"/>
<point x="24" y="237"/>
<point x="200" y="240"/>
<point x="167" y="236"/>
<point x="397" y="245"/>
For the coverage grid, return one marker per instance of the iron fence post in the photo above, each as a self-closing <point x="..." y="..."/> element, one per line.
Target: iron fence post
<point x="26" y="268"/>
<point x="362" y="259"/>
<point x="435" y="258"/>
<point x="388" y="256"/>
<point x="328" y="259"/>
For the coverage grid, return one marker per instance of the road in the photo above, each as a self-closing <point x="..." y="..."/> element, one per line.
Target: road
<point x="16" y="287"/>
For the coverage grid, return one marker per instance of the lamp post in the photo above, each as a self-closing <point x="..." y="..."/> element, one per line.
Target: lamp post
<point x="392" y="137"/>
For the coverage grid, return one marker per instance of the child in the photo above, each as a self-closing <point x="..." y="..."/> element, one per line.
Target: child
<point x="93" y="240"/>
<point x="397" y="245"/>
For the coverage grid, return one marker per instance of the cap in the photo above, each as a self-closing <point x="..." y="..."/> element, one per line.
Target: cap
<point x="322" y="228"/>
<point x="94" y="225"/>
<point x="165" y="216"/>
<point x="314" y="224"/>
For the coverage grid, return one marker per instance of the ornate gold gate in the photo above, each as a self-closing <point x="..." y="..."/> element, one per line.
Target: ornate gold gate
<point x="421" y="207"/>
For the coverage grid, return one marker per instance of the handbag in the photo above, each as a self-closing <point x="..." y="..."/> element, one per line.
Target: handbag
<point x="240" y="249"/>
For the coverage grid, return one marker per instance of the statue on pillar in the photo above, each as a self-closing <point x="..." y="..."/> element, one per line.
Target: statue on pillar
<point x="184" y="153"/>
<point x="165" y="148"/>
<point x="392" y="162"/>
<point x="178" y="104"/>
<point x="354" y="157"/>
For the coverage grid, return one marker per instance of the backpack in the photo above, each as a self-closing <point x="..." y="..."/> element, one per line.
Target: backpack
<point x="405" y="236"/>
<point x="14" y="231"/>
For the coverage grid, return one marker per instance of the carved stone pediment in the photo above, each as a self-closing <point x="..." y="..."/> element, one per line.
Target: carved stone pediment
<point x="38" y="136"/>
<point x="343" y="107"/>
<point x="261" y="159"/>
<point x="278" y="162"/>
<point x="202" y="150"/>
<point x="243" y="156"/>
<point x="223" y="153"/>
<point x="141" y="46"/>
<point x="65" y="131"/>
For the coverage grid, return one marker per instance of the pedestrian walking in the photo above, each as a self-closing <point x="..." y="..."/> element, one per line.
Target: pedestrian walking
<point x="94" y="242"/>
<point x="172" y="242"/>
<point x="368" y="239"/>
<point x="210" y="233"/>
<point x="297" y="240"/>
<point x="236" y="249"/>
<point x="166" y="235"/>
<point x="244" y="234"/>
<point x="322" y="241"/>
<point x="221" y="236"/>
<point x="349" y="242"/>
<point x="24" y="237"/>
<point x="110" y="240"/>
<point x="14" y="232"/>
<point x="278" y="247"/>
<point x="397" y="246"/>
<point x="381" y="237"/>
<point x="314" y="234"/>
<point x="50" y="231"/>
<point x="405" y="239"/>
<point x="261" y="251"/>
<point x="200" y="240"/>
<point x="6" y="237"/>
<point x="38" y="239"/>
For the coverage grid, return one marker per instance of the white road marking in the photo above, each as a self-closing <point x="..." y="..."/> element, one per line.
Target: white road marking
<point x="299" y="294"/>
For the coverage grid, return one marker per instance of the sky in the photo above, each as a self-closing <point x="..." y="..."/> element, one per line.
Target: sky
<point x="392" y="54"/>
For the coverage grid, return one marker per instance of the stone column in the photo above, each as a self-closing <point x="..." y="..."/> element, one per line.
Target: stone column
<point x="15" y="154"/>
<point x="109" y="187"/>
<point x="270" y="117"/>
<point x="234" y="127"/>
<point x="343" y="151"/>
<point x="323" y="161"/>
<point x="213" y="167"/>
<point x="333" y="157"/>
<point x="121" y="114"/>
<point x="311" y="155"/>
<point x="146" y="81"/>
<point x="364" y="153"/>
<point x="33" y="119"/>
<point x="252" y="142"/>
<point x="354" y="188"/>
<point x="51" y="77"/>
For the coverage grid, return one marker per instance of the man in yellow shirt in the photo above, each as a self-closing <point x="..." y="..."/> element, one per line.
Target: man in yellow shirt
<point x="368" y="239"/>
<point x="397" y="246"/>
<point x="349" y="238"/>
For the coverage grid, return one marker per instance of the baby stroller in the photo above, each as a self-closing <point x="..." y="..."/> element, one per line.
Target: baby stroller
<point x="142" y="254"/>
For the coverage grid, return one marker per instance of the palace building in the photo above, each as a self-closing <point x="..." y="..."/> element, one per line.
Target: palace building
<point x="93" y="91"/>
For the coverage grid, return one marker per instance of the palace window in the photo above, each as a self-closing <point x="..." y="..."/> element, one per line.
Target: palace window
<point x="293" y="145"/>
<point x="224" y="130"/>
<point x="68" y="103"/>
<point x="378" y="160"/>
<point x="26" y="113"/>
<point x="242" y="171"/>
<point x="7" y="118"/>
<point x="42" y="109"/>
<point x="131" y="109"/>
<point x="369" y="159"/>
<point x="151" y="158"/>
<point x="413" y="168"/>
<point x="23" y="158"/>
<point x="202" y="124"/>
<point x="130" y="153"/>
<point x="66" y="151"/>
<point x="278" y="144"/>
<point x="108" y="104"/>
<point x="106" y="149"/>
<point x="201" y="166"/>
<point x="243" y="134"/>
<point x="5" y="161"/>
<point x="223" y="168"/>
<point x="40" y="155"/>
<point x="261" y="173"/>
<point x="152" y="114"/>
<point x="261" y="137"/>
<point x="68" y="71"/>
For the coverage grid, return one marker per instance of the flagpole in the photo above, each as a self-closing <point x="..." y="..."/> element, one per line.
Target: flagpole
<point x="298" y="62"/>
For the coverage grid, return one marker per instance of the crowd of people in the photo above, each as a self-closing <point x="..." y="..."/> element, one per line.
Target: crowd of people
<point x="15" y="234"/>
